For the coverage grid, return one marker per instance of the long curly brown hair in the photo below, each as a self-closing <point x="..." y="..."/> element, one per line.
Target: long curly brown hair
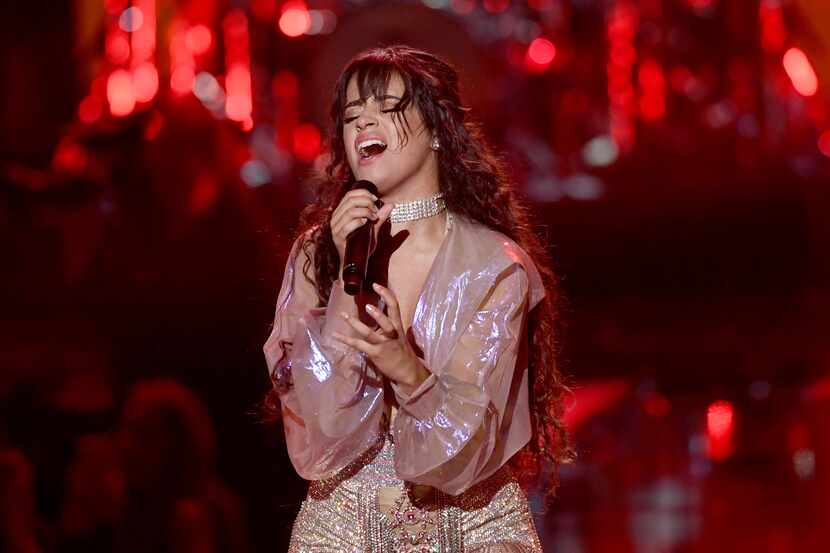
<point x="475" y="184"/>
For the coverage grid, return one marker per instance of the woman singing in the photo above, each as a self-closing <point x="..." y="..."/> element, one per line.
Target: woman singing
<point x="404" y="404"/>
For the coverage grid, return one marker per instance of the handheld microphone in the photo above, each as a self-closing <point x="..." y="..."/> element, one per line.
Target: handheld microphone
<point x="356" y="256"/>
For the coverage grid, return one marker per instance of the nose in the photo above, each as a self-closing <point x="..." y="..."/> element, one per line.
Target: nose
<point x="367" y="116"/>
<point x="364" y="122"/>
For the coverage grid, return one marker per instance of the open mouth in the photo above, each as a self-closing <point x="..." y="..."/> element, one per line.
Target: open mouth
<point x="370" y="148"/>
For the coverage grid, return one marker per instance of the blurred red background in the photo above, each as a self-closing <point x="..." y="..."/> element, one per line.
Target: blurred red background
<point x="153" y="156"/>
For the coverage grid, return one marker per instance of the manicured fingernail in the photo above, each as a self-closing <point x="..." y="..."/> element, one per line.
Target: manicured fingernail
<point x="376" y="286"/>
<point x="344" y="314"/>
<point x="370" y="308"/>
<point x="374" y="197"/>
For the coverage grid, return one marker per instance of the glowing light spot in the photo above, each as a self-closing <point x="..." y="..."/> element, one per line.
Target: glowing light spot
<point x="145" y="82"/>
<point x="120" y="93"/>
<point x="206" y="87"/>
<point x="800" y="72"/>
<point x="295" y="20"/>
<point x="255" y="173"/>
<point x="182" y="79"/>
<point x="198" y="39"/>
<point x="719" y="418"/>
<point x="306" y="142"/>
<point x="90" y="110"/>
<point x="540" y="54"/>
<point x="720" y="423"/>
<point x="238" y="107"/>
<point x="70" y="157"/>
<point x="804" y="463"/>
<point x="323" y="22"/>
<point x="600" y="151"/>
<point x="131" y="19"/>
<point x="238" y="85"/>
<point x="118" y="48"/>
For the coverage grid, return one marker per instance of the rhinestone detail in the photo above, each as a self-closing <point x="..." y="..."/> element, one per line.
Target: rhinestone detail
<point x="418" y="209"/>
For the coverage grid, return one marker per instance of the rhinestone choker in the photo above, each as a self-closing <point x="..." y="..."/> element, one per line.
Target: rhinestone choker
<point x="418" y="209"/>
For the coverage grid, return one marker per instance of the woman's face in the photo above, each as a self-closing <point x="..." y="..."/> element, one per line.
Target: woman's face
<point x="379" y="151"/>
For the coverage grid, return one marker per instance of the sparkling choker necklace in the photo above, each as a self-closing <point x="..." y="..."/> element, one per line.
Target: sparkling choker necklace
<point x="418" y="209"/>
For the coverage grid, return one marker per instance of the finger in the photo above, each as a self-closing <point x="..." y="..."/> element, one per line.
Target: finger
<point x="383" y="214"/>
<point x="347" y="229"/>
<point x="356" y="343"/>
<point x="383" y="321"/>
<point x="358" y="211"/>
<point x="367" y="333"/>
<point x="361" y="213"/>
<point x="392" y="305"/>
<point x="360" y="192"/>
<point x="350" y="200"/>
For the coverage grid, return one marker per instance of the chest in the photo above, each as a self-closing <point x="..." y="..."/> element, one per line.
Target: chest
<point x="408" y="271"/>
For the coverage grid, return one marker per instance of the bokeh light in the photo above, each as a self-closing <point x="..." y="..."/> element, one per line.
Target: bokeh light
<point x="182" y="80"/>
<point x="117" y="48"/>
<point x="800" y="71"/>
<point x="145" y="82"/>
<point x="540" y="54"/>
<point x="199" y="39"/>
<point x="131" y="19"/>
<point x="295" y="19"/>
<point x="120" y="93"/>
<point x="307" y="142"/>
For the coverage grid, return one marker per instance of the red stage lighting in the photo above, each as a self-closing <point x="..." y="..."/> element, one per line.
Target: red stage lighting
<point x="307" y="142"/>
<point x="145" y="82"/>
<point x="295" y="19"/>
<point x="120" y="93"/>
<point x="90" y="109"/>
<point x="720" y="424"/>
<point x="198" y="39"/>
<point x="540" y="54"/>
<point x="118" y="48"/>
<point x="800" y="71"/>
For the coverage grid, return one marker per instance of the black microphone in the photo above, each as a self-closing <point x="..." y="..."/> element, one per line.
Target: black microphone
<point x="356" y="256"/>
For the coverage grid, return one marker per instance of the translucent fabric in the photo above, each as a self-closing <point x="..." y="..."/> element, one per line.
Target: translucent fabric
<point x="460" y="425"/>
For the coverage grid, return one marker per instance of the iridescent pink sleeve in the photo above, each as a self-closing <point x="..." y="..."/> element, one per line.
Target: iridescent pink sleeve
<point x="331" y="400"/>
<point x="471" y="415"/>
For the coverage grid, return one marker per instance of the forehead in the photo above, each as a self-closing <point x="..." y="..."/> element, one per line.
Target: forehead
<point x="394" y="88"/>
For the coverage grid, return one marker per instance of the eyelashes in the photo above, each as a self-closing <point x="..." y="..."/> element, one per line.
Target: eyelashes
<point x="347" y="120"/>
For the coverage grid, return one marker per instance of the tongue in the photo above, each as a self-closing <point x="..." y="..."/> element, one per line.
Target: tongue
<point x="373" y="150"/>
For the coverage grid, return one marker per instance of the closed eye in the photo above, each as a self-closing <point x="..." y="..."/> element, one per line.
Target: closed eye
<point x="348" y="120"/>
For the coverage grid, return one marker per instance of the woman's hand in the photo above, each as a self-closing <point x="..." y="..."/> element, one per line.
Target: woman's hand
<point x="356" y="207"/>
<point x="387" y="347"/>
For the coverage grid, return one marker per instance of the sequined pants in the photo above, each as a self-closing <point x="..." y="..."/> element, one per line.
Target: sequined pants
<point x="366" y="509"/>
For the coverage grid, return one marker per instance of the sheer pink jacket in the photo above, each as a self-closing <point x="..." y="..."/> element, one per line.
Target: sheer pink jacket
<point x="467" y="419"/>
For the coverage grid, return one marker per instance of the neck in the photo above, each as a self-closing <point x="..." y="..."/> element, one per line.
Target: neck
<point x="423" y="231"/>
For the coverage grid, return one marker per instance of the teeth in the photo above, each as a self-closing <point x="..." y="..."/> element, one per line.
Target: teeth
<point x="366" y="144"/>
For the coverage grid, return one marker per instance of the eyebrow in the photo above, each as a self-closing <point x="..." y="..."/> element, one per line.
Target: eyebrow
<point x="361" y="101"/>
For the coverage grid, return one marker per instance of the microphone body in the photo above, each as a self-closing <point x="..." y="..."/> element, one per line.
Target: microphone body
<point x="356" y="256"/>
